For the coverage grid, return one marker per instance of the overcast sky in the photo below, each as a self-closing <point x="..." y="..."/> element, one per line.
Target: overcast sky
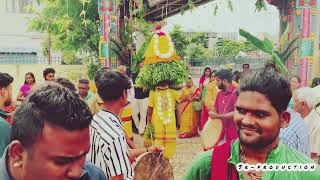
<point x="202" y="18"/>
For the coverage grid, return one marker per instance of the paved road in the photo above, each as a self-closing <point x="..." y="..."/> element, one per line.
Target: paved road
<point x="187" y="150"/>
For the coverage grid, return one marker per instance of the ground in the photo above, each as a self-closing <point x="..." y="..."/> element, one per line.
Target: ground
<point x="187" y="150"/>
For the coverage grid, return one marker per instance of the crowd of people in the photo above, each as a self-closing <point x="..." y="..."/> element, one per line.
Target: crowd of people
<point x="39" y="140"/>
<point x="265" y="119"/>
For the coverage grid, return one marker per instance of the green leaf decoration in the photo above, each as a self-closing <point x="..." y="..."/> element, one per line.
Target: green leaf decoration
<point x="152" y="74"/>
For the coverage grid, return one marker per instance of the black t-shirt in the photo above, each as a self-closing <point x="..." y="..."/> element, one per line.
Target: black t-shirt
<point x="139" y="93"/>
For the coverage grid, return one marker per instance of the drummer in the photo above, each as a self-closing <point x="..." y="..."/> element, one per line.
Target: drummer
<point x="260" y="113"/>
<point x="108" y="143"/>
<point x="225" y="103"/>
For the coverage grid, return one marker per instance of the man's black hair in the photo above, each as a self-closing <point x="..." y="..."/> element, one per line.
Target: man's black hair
<point x="5" y="80"/>
<point x="53" y="105"/>
<point x="270" y="83"/>
<point x="84" y="81"/>
<point x="246" y="64"/>
<point x="111" y="84"/>
<point x="66" y="83"/>
<point x="48" y="71"/>
<point x="315" y="82"/>
<point x="225" y="74"/>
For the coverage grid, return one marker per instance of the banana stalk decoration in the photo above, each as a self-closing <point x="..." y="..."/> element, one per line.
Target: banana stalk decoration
<point x="138" y="58"/>
<point x="266" y="45"/>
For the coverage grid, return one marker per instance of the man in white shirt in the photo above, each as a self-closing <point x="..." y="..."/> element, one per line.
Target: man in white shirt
<point x="304" y="103"/>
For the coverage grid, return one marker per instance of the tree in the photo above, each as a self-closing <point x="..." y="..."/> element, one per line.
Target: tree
<point x="179" y="40"/>
<point x="195" y="51"/>
<point x="71" y="28"/>
<point x="229" y="48"/>
<point x="200" y="38"/>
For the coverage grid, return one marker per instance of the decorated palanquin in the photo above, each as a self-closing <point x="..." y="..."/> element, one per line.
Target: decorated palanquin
<point x="161" y="63"/>
<point x="300" y="18"/>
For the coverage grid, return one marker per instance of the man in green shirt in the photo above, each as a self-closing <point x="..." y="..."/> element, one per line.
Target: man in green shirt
<point x="260" y="113"/>
<point x="5" y="100"/>
<point x="84" y="93"/>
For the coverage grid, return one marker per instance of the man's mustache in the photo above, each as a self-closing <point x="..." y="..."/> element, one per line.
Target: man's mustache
<point x="250" y="128"/>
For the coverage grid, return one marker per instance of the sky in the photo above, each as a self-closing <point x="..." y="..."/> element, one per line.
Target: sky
<point x="202" y="18"/>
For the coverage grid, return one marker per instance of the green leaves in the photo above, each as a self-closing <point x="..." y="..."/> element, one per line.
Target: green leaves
<point x="191" y="4"/>
<point x="69" y="31"/>
<point x="229" y="48"/>
<point x="179" y="40"/>
<point x="150" y="75"/>
<point x="260" y="5"/>
<point x="267" y="47"/>
<point x="93" y="69"/>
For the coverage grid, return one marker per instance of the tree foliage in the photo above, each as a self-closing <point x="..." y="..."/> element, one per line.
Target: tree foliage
<point x="199" y="38"/>
<point x="71" y="27"/>
<point x="179" y="40"/>
<point x="229" y="48"/>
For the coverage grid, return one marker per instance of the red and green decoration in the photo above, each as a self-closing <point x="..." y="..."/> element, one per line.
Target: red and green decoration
<point x="106" y="9"/>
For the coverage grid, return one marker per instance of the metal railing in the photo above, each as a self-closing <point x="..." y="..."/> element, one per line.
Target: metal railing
<point x="28" y="58"/>
<point x="196" y="66"/>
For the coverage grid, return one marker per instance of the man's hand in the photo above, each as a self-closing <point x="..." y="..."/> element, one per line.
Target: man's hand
<point x="155" y="149"/>
<point x="213" y="115"/>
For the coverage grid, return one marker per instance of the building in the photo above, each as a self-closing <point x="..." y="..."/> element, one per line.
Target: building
<point x="17" y="44"/>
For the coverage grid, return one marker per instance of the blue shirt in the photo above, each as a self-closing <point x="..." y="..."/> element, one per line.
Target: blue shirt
<point x="89" y="172"/>
<point x="296" y="135"/>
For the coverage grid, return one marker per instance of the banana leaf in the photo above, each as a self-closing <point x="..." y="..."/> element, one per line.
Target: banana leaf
<point x="286" y="52"/>
<point x="267" y="47"/>
<point x="263" y="46"/>
<point x="138" y="58"/>
<point x="268" y="43"/>
<point x="284" y="38"/>
<point x="278" y="62"/>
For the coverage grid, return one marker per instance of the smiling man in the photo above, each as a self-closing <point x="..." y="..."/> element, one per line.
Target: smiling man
<point x="263" y="97"/>
<point x="50" y="139"/>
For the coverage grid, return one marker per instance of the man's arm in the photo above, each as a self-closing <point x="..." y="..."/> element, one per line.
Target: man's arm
<point x="149" y="114"/>
<point x="214" y="115"/>
<point x="120" y="177"/>
<point x="134" y="153"/>
<point x="119" y="163"/>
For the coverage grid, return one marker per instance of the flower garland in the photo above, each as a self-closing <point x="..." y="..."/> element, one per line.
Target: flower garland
<point x="156" y="47"/>
<point x="170" y="109"/>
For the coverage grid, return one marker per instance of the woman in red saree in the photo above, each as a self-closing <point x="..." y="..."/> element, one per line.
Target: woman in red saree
<point x="204" y="81"/>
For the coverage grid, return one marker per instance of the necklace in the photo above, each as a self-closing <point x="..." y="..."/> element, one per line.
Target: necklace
<point x="156" y="47"/>
<point x="255" y="175"/>
<point x="165" y="107"/>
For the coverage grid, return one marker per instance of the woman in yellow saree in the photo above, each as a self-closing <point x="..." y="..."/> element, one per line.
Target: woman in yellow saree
<point x="189" y="116"/>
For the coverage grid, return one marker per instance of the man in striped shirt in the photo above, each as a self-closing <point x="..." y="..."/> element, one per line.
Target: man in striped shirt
<point x="108" y="145"/>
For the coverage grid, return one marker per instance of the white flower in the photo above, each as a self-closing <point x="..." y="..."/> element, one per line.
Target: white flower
<point x="156" y="47"/>
<point x="170" y="111"/>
